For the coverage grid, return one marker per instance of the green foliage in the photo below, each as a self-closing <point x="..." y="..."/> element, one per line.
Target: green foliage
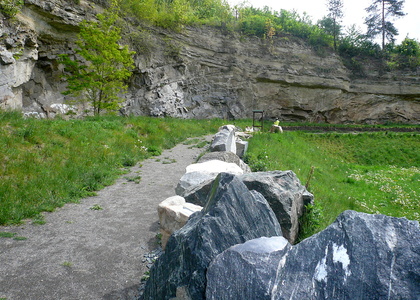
<point x="265" y="23"/>
<point x="310" y="222"/>
<point x="378" y="20"/>
<point x="175" y="14"/>
<point x="335" y="14"/>
<point x="98" y="78"/>
<point x="47" y="163"/>
<point x="406" y="55"/>
<point x="368" y="172"/>
<point x="10" y="7"/>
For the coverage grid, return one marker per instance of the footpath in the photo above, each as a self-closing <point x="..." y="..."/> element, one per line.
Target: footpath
<point x="94" y="249"/>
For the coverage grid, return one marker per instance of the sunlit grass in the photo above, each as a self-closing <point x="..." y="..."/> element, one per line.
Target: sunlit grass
<point x="47" y="163"/>
<point x="368" y="172"/>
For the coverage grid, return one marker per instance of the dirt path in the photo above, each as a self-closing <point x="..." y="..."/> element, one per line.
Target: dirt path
<point x="81" y="253"/>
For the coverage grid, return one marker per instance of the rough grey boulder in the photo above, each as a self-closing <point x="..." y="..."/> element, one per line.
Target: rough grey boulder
<point x="226" y="156"/>
<point x="198" y="194"/>
<point x="233" y="215"/>
<point x="224" y="139"/>
<point x="285" y="194"/>
<point x="248" y="270"/>
<point x="359" y="256"/>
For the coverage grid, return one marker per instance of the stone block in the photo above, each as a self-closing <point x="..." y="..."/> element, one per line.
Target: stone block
<point x="201" y="172"/>
<point x="173" y="214"/>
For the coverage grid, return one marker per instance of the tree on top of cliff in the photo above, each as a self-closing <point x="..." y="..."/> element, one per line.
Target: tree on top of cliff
<point x="335" y="14"/>
<point x="98" y="75"/>
<point x="380" y="13"/>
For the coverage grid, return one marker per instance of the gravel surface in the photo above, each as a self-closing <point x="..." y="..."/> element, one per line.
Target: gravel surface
<point x="83" y="253"/>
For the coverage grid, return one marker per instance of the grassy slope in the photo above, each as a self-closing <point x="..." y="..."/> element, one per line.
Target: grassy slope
<point x="370" y="172"/>
<point x="46" y="163"/>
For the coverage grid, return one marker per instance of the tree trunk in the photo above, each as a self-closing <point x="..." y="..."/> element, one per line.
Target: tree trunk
<point x="335" y="34"/>
<point x="383" y="24"/>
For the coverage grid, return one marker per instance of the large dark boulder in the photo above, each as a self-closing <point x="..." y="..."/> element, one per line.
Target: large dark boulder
<point x="246" y="271"/>
<point x="232" y="215"/>
<point x="285" y="194"/>
<point x="198" y="194"/>
<point x="282" y="189"/>
<point x="359" y="256"/>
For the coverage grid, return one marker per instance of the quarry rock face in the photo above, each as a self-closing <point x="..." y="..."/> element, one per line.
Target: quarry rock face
<point x="233" y="215"/>
<point x="359" y="256"/>
<point x="203" y="73"/>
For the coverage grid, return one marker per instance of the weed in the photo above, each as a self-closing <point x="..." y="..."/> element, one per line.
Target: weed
<point x="154" y="151"/>
<point x="67" y="264"/>
<point x="20" y="238"/>
<point x="7" y="234"/>
<point x="146" y="276"/>
<point x="38" y="219"/>
<point x="128" y="161"/>
<point x="135" y="179"/>
<point x="201" y="144"/>
<point x="169" y="161"/>
<point x="310" y="222"/>
<point x="191" y="141"/>
<point x="96" y="207"/>
<point x="159" y="238"/>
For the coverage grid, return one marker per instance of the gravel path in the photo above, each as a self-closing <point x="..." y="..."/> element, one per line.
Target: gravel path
<point x="81" y="253"/>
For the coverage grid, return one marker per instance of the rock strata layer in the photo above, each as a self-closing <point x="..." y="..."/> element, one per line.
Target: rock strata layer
<point x="203" y="73"/>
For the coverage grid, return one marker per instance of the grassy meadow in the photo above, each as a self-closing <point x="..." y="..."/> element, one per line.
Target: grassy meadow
<point x="47" y="163"/>
<point x="368" y="172"/>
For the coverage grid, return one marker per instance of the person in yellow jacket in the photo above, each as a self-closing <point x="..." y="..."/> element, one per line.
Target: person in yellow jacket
<point x="276" y="127"/>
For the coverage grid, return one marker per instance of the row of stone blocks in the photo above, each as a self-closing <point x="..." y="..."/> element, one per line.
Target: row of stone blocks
<point x="236" y="246"/>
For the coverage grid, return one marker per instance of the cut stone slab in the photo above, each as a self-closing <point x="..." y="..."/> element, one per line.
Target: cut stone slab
<point x="233" y="215"/>
<point x="359" y="256"/>
<point x="201" y="172"/>
<point x="173" y="214"/>
<point x="226" y="156"/>
<point x="241" y="147"/>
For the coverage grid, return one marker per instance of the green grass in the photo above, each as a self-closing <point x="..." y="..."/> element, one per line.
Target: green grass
<point x="47" y="163"/>
<point x="368" y="172"/>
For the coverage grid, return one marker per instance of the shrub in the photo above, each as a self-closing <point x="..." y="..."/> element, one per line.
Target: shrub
<point x="10" y="7"/>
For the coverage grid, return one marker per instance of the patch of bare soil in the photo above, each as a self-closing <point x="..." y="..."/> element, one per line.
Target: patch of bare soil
<point x="94" y="249"/>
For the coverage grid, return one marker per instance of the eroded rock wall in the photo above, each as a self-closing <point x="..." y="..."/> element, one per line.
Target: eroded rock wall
<point x="202" y="73"/>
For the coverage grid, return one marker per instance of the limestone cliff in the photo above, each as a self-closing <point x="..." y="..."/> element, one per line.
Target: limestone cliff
<point x="203" y="73"/>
